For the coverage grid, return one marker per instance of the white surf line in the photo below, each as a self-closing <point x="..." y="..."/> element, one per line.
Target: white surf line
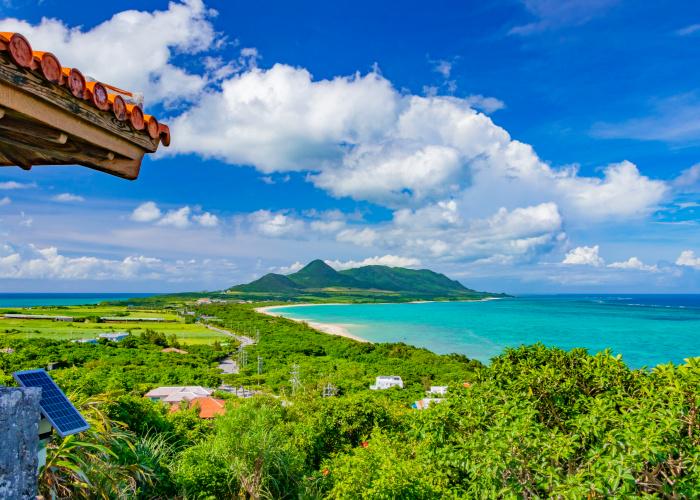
<point x="329" y="328"/>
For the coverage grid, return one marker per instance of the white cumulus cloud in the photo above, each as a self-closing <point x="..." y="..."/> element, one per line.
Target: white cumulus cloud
<point x="359" y="137"/>
<point x="384" y="260"/>
<point x="35" y="262"/>
<point x="634" y="263"/>
<point x="291" y="268"/>
<point x="206" y="219"/>
<point x="4" y="201"/>
<point x="180" y="217"/>
<point x="177" y="218"/>
<point x="688" y="180"/>
<point x="48" y="263"/>
<point x="276" y="224"/>
<point x="134" y="49"/>
<point x="687" y="258"/>
<point x="146" y="212"/>
<point x="584" y="256"/>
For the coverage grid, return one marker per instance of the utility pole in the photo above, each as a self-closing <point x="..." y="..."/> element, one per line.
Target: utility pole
<point x="329" y="390"/>
<point x="295" y="378"/>
<point x="260" y="365"/>
<point x="242" y="358"/>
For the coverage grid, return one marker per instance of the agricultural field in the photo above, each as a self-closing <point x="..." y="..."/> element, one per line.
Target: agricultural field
<point x="88" y="326"/>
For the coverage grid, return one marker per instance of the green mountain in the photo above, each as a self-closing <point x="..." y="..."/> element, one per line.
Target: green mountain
<point x="275" y="283"/>
<point x="319" y="281"/>
<point x="318" y="274"/>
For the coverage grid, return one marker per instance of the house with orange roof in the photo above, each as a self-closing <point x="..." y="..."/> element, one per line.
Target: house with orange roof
<point x="208" y="407"/>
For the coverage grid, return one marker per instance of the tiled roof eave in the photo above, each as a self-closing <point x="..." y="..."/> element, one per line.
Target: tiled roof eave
<point x="44" y="122"/>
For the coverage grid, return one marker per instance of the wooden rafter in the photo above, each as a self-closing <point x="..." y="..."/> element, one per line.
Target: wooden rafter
<point x="45" y="123"/>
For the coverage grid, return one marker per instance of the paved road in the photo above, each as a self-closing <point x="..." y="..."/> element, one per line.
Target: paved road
<point x="245" y="341"/>
<point x="229" y="365"/>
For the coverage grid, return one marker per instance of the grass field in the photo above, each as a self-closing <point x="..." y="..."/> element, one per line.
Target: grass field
<point x="30" y="328"/>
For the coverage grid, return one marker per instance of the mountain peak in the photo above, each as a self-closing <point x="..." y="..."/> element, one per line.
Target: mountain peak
<point x="316" y="265"/>
<point x="318" y="274"/>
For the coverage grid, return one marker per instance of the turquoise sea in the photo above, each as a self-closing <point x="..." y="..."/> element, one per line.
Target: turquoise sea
<point x="62" y="299"/>
<point x="646" y="329"/>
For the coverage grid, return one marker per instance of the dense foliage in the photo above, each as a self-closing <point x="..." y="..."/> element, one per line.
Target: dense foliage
<point x="321" y="359"/>
<point x="536" y="422"/>
<point x="135" y="364"/>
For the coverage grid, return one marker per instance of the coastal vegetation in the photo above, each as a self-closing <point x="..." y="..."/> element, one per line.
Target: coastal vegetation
<point x="535" y="422"/>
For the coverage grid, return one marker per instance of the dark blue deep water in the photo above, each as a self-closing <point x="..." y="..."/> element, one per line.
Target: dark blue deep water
<point x="62" y="299"/>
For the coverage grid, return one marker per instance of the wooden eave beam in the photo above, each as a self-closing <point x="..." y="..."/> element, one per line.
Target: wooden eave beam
<point x="41" y="91"/>
<point x="49" y="150"/>
<point x="56" y="117"/>
<point x="31" y="129"/>
<point x="44" y="124"/>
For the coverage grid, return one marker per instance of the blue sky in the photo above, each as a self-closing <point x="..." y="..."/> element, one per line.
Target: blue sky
<point x="523" y="146"/>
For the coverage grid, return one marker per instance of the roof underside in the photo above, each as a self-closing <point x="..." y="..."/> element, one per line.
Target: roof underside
<point x="44" y="123"/>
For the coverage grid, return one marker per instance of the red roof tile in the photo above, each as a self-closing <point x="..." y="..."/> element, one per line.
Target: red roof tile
<point x="101" y="95"/>
<point x="208" y="407"/>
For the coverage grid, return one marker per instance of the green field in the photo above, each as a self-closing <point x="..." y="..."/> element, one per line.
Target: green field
<point x="59" y="330"/>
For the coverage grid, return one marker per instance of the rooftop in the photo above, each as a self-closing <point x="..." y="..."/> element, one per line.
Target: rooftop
<point x="176" y="394"/>
<point x="37" y="316"/>
<point x="114" y="335"/>
<point x="175" y="350"/>
<point x="55" y="115"/>
<point x="208" y="407"/>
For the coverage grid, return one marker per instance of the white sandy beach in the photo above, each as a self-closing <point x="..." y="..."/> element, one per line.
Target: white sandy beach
<point x="330" y="328"/>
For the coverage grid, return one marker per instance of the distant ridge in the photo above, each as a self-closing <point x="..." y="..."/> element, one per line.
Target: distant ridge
<point x="319" y="280"/>
<point x="400" y="279"/>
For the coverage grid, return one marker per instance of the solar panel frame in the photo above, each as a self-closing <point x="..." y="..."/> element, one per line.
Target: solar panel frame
<point x="54" y="404"/>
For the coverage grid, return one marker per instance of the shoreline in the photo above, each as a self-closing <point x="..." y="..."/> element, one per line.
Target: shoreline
<point x="339" y="329"/>
<point x="328" y="328"/>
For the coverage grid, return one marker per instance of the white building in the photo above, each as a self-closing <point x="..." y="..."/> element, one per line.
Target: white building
<point x="440" y="390"/>
<point x="386" y="382"/>
<point x="178" y="393"/>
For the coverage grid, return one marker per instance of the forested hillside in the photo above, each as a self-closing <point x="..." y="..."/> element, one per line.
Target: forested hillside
<point x="318" y="281"/>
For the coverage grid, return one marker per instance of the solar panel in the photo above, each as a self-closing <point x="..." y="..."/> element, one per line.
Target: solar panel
<point x="54" y="404"/>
